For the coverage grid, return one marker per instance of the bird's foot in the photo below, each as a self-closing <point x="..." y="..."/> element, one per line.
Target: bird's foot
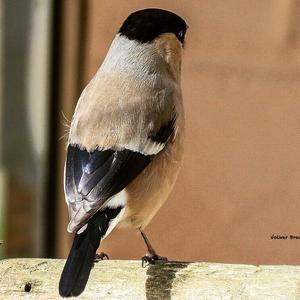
<point x="152" y="258"/>
<point x="100" y="256"/>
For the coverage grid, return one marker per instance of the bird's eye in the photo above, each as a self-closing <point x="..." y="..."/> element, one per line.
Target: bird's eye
<point x="180" y="34"/>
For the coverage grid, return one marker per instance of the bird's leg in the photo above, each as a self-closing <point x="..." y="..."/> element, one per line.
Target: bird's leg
<point x="100" y="256"/>
<point x="151" y="257"/>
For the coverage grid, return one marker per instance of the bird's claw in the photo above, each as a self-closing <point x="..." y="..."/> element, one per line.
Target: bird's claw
<point x="151" y="259"/>
<point x="100" y="256"/>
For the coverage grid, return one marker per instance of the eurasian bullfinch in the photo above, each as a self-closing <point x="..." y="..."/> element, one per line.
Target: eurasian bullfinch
<point x="125" y="143"/>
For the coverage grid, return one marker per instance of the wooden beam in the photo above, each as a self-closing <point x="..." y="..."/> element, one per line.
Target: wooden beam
<point x="38" y="279"/>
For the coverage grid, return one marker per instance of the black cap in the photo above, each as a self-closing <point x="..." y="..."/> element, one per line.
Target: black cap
<point x="147" y="24"/>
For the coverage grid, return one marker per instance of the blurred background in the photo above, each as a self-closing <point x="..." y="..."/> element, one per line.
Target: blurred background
<point x="240" y="182"/>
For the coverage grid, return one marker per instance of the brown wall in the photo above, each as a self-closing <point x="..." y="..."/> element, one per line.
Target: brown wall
<point x="240" y="182"/>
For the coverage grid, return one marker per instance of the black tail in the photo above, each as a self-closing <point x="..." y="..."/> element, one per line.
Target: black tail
<point x="80" y="261"/>
<point x="81" y="258"/>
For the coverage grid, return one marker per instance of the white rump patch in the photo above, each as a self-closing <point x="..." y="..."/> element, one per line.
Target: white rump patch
<point x="117" y="200"/>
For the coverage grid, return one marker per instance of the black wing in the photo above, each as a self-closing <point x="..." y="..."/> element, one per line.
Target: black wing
<point x="93" y="177"/>
<point x="98" y="175"/>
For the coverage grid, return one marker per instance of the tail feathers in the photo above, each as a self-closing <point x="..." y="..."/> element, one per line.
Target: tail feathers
<point x="80" y="261"/>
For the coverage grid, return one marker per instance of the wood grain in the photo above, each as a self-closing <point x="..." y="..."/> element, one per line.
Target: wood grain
<point x="117" y="279"/>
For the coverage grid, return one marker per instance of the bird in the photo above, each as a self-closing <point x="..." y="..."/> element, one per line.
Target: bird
<point x="126" y="140"/>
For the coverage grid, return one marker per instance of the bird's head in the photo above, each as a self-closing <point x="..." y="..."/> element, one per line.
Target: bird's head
<point x="148" y="24"/>
<point x="161" y="31"/>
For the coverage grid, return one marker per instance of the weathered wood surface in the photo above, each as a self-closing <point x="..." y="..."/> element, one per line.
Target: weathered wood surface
<point x="175" y="280"/>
